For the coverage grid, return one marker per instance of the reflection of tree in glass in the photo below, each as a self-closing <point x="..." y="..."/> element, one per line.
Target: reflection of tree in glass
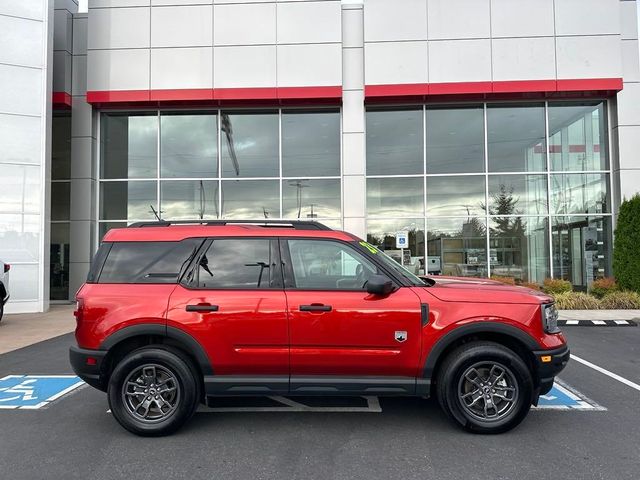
<point x="504" y="203"/>
<point x="227" y="129"/>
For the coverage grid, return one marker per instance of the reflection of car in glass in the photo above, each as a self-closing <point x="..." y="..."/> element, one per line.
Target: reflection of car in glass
<point x="173" y="314"/>
<point x="4" y="285"/>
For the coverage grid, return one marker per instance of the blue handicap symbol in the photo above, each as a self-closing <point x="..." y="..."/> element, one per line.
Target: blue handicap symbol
<point x="562" y="396"/>
<point x="35" y="391"/>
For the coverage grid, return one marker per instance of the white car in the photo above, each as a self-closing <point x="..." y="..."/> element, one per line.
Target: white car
<point x="4" y="285"/>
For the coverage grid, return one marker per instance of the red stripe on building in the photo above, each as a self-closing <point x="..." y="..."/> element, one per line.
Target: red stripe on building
<point x="61" y="100"/>
<point x="213" y="96"/>
<point x="496" y="90"/>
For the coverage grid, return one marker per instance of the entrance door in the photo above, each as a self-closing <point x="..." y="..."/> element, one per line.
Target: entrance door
<point x="362" y="342"/>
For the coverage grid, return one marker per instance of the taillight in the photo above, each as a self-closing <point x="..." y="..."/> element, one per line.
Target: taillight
<point x="79" y="311"/>
<point x="7" y="267"/>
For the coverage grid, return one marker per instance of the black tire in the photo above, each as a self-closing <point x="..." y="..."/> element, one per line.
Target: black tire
<point x="177" y="391"/>
<point x="471" y="401"/>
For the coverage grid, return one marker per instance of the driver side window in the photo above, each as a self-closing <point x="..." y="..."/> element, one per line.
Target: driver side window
<point x="328" y="265"/>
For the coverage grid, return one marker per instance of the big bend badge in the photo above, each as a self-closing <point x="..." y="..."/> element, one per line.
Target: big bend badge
<point x="401" y="336"/>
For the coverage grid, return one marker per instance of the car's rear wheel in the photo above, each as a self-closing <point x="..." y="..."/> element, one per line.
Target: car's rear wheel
<point x="485" y="387"/>
<point x="153" y="391"/>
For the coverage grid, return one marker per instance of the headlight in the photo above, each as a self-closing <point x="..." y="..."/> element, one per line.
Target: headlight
<point x="550" y="318"/>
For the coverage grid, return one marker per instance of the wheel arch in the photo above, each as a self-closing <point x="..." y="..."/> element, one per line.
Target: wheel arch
<point x="127" y="339"/>
<point x="511" y="337"/>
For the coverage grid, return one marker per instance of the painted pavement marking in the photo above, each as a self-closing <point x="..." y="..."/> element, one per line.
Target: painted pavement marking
<point x="615" y="376"/>
<point x="32" y="392"/>
<point x="564" y="397"/>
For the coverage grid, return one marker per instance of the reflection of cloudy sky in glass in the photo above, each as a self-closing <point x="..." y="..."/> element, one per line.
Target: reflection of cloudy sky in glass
<point x="250" y="199"/>
<point x="394" y="142"/>
<point x="189" y="146"/>
<point x="395" y="197"/>
<point x="255" y="139"/>
<point x="455" y="195"/>
<point x="324" y="195"/>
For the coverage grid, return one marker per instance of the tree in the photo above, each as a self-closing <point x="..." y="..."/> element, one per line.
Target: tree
<point x="626" y="261"/>
<point x="505" y="204"/>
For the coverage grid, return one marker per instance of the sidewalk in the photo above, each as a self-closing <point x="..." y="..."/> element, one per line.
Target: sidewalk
<point x="599" y="314"/>
<point x="22" y="330"/>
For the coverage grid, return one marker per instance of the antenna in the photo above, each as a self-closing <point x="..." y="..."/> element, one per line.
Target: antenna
<point x="155" y="212"/>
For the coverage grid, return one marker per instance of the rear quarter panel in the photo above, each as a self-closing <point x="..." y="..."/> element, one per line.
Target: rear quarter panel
<point x="111" y="307"/>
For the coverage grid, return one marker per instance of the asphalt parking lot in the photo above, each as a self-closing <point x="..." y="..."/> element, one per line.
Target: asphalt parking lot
<point x="74" y="436"/>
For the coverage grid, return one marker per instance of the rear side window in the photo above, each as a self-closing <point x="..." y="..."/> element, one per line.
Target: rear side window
<point x="239" y="263"/>
<point x="147" y="262"/>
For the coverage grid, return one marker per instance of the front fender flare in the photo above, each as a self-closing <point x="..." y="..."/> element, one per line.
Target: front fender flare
<point x="469" y="329"/>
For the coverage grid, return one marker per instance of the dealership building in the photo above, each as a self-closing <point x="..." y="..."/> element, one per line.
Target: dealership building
<point x="501" y="135"/>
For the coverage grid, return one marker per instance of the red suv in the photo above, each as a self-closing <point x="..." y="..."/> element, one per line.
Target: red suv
<point x="175" y="312"/>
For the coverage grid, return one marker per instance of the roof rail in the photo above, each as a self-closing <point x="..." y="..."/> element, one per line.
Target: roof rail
<point x="296" y="224"/>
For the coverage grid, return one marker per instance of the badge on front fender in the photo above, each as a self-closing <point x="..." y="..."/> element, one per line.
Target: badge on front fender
<point x="401" y="336"/>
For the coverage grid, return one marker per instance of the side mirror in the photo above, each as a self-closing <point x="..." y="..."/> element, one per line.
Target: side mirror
<point x="379" y="285"/>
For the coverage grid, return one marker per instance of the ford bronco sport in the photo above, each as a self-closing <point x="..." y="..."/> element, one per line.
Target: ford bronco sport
<point x="175" y="312"/>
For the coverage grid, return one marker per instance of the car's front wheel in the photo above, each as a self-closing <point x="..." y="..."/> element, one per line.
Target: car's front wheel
<point x="153" y="391"/>
<point x="485" y="387"/>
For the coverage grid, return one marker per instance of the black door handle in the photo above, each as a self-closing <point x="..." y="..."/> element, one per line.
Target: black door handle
<point x="202" y="308"/>
<point x="315" y="307"/>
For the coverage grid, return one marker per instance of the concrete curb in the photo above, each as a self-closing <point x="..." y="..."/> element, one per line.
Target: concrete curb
<point x="597" y="323"/>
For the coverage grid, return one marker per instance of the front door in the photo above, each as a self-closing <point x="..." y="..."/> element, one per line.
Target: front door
<point x="233" y="303"/>
<point x="340" y="334"/>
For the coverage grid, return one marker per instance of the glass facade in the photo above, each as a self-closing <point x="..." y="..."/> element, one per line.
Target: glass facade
<point x="237" y="164"/>
<point x="60" y="207"/>
<point x="519" y="190"/>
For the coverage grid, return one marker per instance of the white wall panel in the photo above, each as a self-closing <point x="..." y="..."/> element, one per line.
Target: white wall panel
<point x="353" y="154"/>
<point x="629" y="20"/>
<point x="33" y="9"/>
<point x="309" y="22"/>
<point x="395" y="62"/>
<point x="629" y="105"/>
<point x="118" y="3"/>
<point x="21" y="41"/>
<point x="587" y="17"/>
<point x="181" y="68"/>
<point x="459" y="61"/>
<point x="309" y="65"/>
<point x="628" y="147"/>
<point x="589" y="57"/>
<point x="21" y="91"/>
<point x="452" y="19"/>
<point x="251" y="66"/>
<point x="523" y="58"/>
<point x="117" y="70"/>
<point x="522" y="18"/>
<point x="386" y="21"/>
<point x="355" y="185"/>
<point x="630" y="61"/>
<point x="155" y="3"/>
<point x="352" y="68"/>
<point x="184" y="26"/>
<point x="244" y="24"/>
<point x="118" y="28"/>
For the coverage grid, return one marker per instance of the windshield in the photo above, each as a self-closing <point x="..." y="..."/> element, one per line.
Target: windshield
<point x="391" y="263"/>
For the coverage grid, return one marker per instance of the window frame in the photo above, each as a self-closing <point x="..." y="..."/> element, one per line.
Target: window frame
<point x="289" y="276"/>
<point x="274" y="252"/>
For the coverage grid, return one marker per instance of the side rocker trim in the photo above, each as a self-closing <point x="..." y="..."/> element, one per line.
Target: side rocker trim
<point x="481" y="327"/>
<point x="163" y="331"/>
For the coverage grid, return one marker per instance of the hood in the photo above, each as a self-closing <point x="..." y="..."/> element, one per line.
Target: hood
<point x="483" y="290"/>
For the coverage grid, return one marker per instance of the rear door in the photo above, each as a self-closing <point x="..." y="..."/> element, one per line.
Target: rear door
<point x="232" y="301"/>
<point x="343" y="338"/>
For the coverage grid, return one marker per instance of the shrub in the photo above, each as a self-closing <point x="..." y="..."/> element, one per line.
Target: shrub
<point x="621" y="300"/>
<point x="603" y="286"/>
<point x="505" y="280"/>
<point x="576" y="301"/>
<point x="555" y="285"/>
<point x="531" y="285"/>
<point x="626" y="261"/>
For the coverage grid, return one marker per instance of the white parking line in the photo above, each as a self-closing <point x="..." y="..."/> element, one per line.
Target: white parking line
<point x="606" y="372"/>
